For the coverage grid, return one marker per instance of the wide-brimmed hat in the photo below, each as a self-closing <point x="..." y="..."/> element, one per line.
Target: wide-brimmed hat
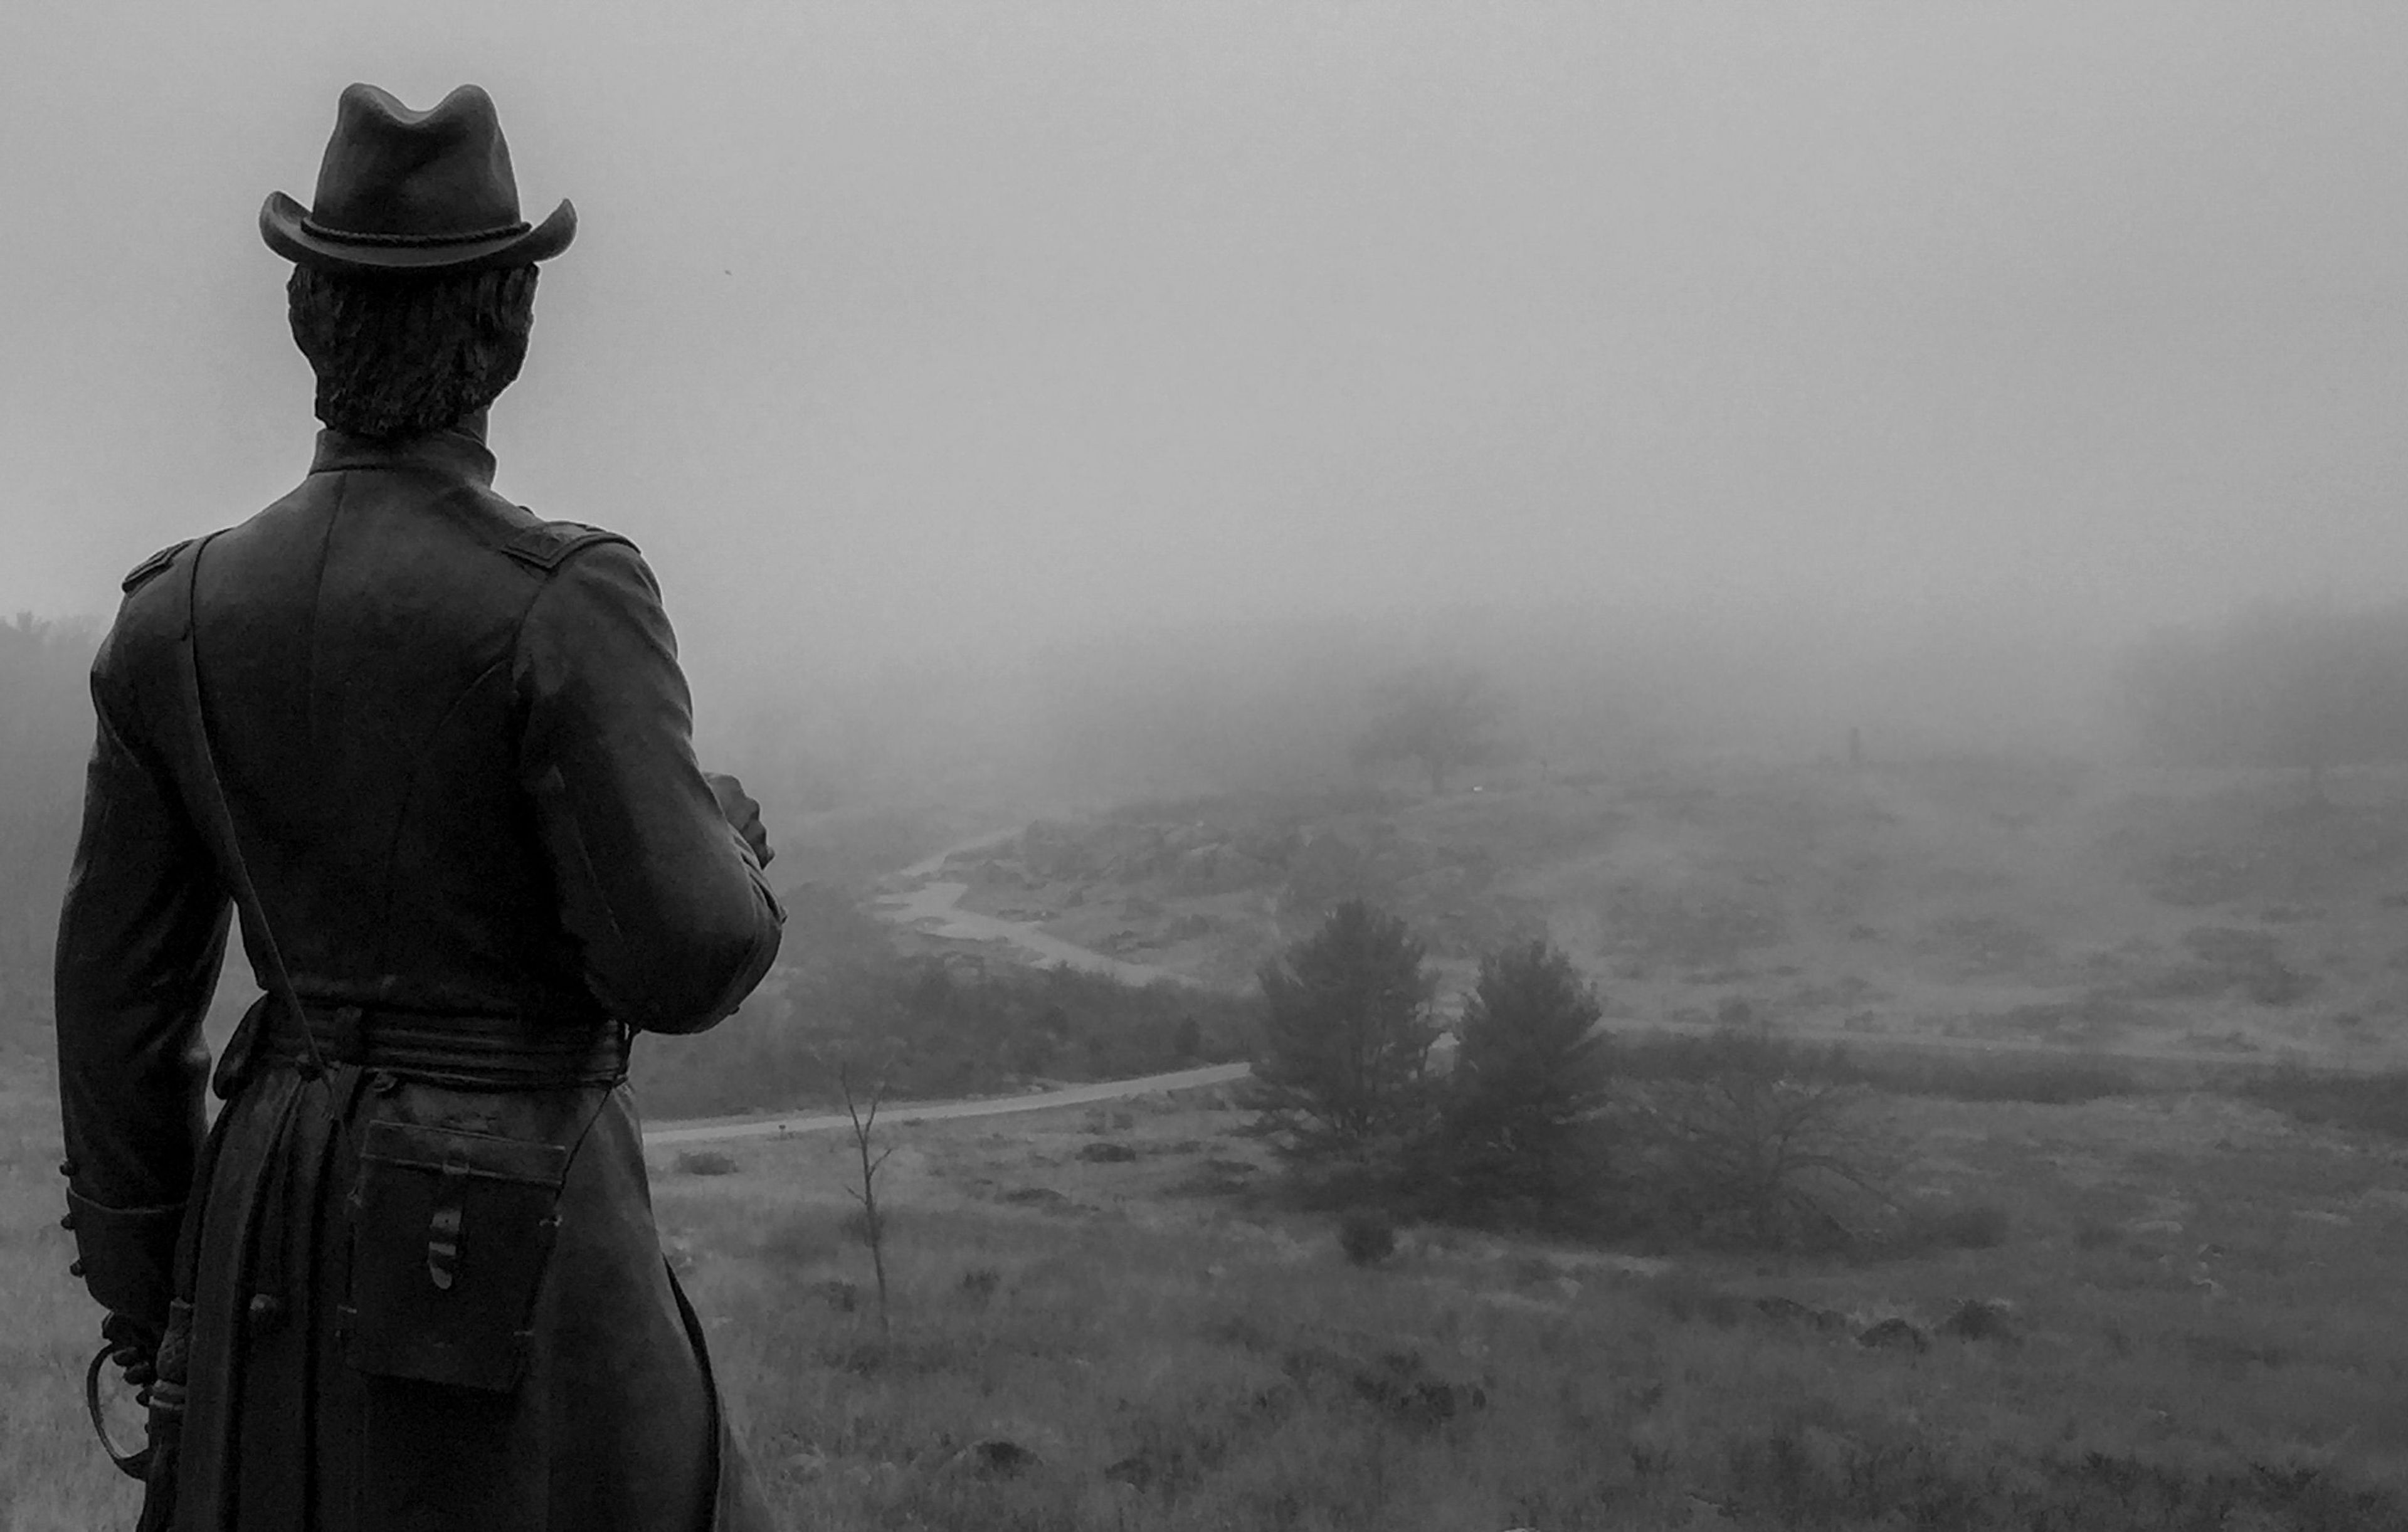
<point x="403" y="193"/>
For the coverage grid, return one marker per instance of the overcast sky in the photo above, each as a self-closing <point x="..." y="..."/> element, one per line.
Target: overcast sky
<point x="985" y="322"/>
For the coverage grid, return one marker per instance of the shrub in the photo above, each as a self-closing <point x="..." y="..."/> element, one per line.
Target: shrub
<point x="1366" y="1237"/>
<point x="1755" y="1144"/>
<point x="706" y="1162"/>
<point x="978" y="1283"/>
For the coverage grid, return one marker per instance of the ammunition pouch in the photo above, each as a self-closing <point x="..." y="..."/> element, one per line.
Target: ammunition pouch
<point x="450" y="1231"/>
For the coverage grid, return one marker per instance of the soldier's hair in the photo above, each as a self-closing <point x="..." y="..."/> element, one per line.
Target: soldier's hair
<point x="398" y="356"/>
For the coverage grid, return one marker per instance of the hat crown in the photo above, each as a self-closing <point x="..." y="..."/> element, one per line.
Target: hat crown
<point x="392" y="173"/>
<point x="413" y="194"/>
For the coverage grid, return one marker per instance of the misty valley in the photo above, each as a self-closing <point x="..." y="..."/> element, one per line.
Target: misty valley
<point x="1664" y="1112"/>
<point x="1221" y="767"/>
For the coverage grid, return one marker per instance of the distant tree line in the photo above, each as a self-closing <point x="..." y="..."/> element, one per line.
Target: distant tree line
<point x="2305" y="686"/>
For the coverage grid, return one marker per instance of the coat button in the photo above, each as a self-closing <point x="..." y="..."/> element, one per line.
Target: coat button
<point x="75" y="1268"/>
<point x="67" y="1221"/>
<point x="265" y="1308"/>
<point x="66" y="1167"/>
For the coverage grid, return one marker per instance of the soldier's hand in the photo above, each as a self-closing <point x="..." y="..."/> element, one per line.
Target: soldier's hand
<point x="739" y="809"/>
<point x="134" y="1346"/>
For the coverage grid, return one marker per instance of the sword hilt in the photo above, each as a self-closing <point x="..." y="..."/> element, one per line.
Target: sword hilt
<point x="134" y="1464"/>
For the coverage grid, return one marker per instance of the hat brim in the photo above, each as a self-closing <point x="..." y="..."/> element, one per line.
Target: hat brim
<point x="282" y="223"/>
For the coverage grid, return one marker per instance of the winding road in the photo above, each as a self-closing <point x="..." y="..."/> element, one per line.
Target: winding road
<point x="934" y="908"/>
<point x="718" y="1129"/>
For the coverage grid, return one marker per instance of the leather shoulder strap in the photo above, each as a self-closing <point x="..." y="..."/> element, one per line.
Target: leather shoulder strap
<point x="141" y="574"/>
<point x="548" y="544"/>
<point x="220" y="814"/>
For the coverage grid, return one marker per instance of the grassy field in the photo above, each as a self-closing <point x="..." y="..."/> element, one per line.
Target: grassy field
<point x="1101" y="1319"/>
<point x="51" y="1473"/>
<point x="2203" y="1335"/>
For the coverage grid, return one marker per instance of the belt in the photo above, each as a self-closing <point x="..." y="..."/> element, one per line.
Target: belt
<point x="471" y="1053"/>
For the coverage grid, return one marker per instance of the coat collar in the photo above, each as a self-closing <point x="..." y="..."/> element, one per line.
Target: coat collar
<point x="456" y="451"/>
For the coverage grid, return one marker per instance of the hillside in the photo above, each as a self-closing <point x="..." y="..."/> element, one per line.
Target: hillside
<point x="2031" y="903"/>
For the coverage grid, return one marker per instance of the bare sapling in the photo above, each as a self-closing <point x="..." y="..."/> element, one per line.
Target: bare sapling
<point x="874" y="1227"/>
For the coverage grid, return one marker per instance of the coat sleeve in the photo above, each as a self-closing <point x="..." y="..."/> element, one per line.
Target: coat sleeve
<point x="672" y="919"/>
<point x="141" y="936"/>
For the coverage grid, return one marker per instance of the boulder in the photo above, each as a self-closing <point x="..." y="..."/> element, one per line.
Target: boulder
<point x="1980" y="1319"/>
<point x="1895" y="1334"/>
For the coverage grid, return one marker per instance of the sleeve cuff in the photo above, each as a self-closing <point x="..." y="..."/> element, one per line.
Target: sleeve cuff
<point x="128" y="1256"/>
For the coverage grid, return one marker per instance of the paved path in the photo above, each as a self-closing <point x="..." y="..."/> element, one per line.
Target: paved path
<point x="714" y="1130"/>
<point x="933" y="908"/>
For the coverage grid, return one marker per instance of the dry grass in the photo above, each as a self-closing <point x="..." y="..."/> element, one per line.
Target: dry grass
<point x="53" y="1478"/>
<point x="2204" y="1334"/>
<point x="2224" y="1352"/>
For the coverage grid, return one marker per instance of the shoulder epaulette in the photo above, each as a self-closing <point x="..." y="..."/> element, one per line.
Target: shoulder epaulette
<point x="544" y="545"/>
<point x="151" y="566"/>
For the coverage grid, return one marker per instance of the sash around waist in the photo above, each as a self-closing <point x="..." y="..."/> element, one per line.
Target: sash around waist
<point x="474" y="1053"/>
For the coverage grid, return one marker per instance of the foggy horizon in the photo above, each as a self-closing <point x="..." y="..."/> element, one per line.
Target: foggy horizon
<point x="1429" y="764"/>
<point x="937" y="335"/>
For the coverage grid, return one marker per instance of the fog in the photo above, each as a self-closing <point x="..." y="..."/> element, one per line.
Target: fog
<point x="968" y="368"/>
<point x="1752" y="657"/>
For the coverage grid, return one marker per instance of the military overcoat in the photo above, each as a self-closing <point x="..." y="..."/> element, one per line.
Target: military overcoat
<point x="454" y="747"/>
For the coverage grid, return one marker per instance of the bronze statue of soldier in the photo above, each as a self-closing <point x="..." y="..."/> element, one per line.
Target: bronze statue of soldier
<point x="433" y="752"/>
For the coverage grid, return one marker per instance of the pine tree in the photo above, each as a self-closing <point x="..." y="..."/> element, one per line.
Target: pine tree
<point x="1530" y="1075"/>
<point x="1347" y="1032"/>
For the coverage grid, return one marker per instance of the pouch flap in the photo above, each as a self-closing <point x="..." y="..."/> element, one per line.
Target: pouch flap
<point x="463" y="1150"/>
